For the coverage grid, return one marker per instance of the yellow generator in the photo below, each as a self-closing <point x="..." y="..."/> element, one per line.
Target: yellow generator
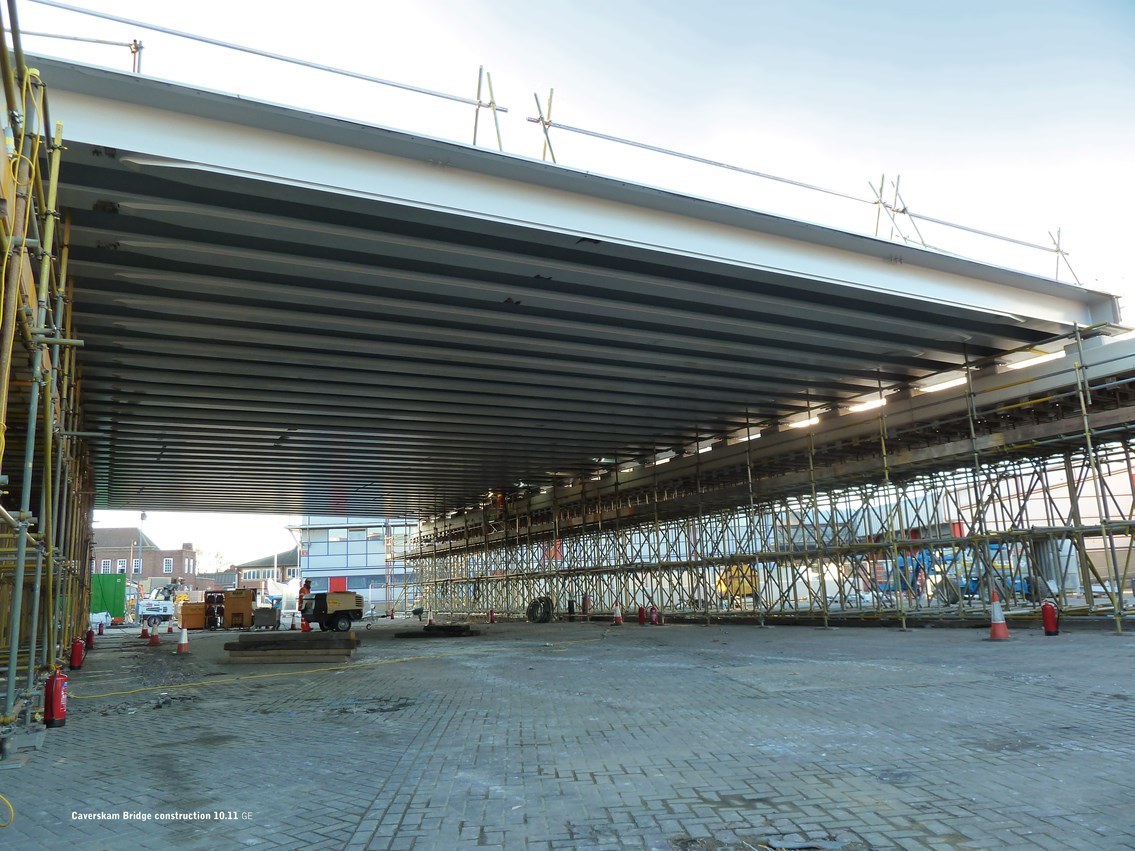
<point x="736" y="581"/>
<point x="333" y="610"/>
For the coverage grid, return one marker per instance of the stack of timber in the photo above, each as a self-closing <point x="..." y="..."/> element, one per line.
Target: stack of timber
<point x="440" y="630"/>
<point x="277" y="648"/>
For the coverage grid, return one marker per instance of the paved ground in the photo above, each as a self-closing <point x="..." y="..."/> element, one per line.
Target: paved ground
<point x="574" y="736"/>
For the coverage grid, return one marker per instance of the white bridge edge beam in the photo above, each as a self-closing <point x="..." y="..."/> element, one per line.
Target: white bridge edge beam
<point x="199" y="131"/>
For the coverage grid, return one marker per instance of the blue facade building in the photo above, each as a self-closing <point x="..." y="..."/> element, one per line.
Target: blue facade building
<point x="360" y="554"/>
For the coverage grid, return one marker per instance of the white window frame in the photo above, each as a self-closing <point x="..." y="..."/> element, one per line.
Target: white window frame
<point x="167" y="565"/>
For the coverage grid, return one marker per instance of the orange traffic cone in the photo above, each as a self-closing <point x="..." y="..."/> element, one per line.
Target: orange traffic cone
<point x="618" y="613"/>
<point x="183" y="644"/>
<point x="155" y="639"/>
<point x="998" y="631"/>
<point x="304" y="625"/>
<point x="169" y="627"/>
<point x="430" y="618"/>
<point x="145" y="631"/>
<point x="293" y="623"/>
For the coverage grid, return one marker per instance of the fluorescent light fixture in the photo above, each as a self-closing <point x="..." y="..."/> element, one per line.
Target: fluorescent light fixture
<point x="705" y="449"/>
<point x="867" y="406"/>
<point x="1036" y="360"/>
<point x="944" y="385"/>
<point x="662" y="461"/>
<point x="805" y="423"/>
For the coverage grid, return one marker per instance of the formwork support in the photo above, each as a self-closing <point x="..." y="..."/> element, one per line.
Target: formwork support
<point x="1018" y="487"/>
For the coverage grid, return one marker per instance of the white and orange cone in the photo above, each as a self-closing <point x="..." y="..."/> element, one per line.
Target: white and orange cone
<point x="998" y="631"/>
<point x="145" y="630"/>
<point x="155" y="639"/>
<point x="183" y="643"/>
<point x="169" y="627"/>
<point x="618" y="613"/>
<point x="430" y="618"/>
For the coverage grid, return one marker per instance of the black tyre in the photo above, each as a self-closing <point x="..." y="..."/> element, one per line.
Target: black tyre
<point x="343" y="623"/>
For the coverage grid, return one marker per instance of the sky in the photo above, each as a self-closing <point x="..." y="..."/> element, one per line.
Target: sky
<point x="1014" y="117"/>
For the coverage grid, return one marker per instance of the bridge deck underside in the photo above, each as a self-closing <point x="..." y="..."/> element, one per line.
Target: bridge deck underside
<point x="288" y="312"/>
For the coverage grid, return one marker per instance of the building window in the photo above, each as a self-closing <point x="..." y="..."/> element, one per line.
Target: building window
<point x="167" y="565"/>
<point x="120" y="565"/>
<point x="293" y="572"/>
<point x="190" y="565"/>
<point x="137" y="565"/>
<point x="104" y="565"/>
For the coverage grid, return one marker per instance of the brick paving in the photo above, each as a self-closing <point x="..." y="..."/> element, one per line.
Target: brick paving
<point x="585" y="736"/>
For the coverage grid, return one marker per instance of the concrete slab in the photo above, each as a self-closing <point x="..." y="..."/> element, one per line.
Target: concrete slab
<point x="584" y="736"/>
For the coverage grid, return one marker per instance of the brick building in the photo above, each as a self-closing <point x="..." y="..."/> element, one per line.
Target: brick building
<point x="130" y="551"/>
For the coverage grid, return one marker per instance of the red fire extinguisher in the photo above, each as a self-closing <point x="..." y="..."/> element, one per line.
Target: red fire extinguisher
<point x="1050" y="617"/>
<point x="78" y="650"/>
<point x="90" y="639"/>
<point x="55" y="699"/>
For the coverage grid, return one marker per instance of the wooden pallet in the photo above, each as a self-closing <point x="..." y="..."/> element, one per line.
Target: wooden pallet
<point x="273" y="648"/>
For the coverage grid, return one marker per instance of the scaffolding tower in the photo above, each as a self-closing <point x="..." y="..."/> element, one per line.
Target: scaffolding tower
<point x="1015" y="482"/>
<point x="47" y="499"/>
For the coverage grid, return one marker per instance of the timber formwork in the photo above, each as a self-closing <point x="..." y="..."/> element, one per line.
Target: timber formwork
<point x="1017" y="483"/>
<point x="45" y="509"/>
